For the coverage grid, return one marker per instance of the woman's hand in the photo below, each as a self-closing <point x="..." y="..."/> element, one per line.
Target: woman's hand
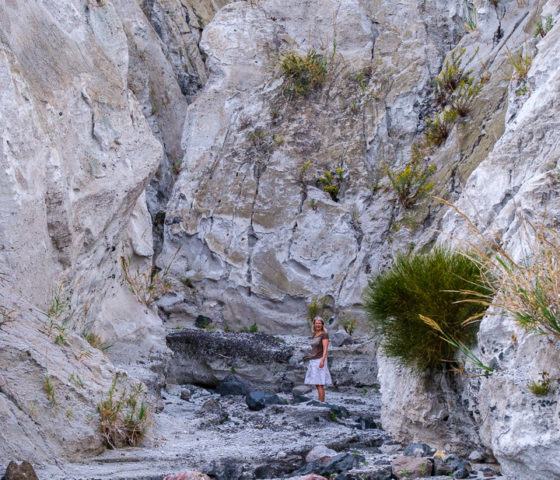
<point x="322" y="364"/>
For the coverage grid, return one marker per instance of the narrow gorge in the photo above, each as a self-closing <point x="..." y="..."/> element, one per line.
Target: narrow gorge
<point x="187" y="183"/>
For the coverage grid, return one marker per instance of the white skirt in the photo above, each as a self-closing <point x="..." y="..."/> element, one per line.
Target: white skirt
<point x="316" y="375"/>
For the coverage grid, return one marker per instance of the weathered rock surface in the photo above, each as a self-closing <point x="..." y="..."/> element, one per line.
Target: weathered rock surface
<point x="208" y="357"/>
<point x="76" y="155"/>
<point x="256" y="242"/>
<point x="517" y="179"/>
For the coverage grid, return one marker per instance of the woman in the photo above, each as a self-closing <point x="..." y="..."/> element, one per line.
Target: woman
<point x="318" y="371"/>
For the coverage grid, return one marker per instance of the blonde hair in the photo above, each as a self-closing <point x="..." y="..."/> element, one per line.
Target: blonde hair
<point x="322" y="322"/>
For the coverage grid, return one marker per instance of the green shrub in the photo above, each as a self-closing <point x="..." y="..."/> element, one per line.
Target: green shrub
<point x="521" y="63"/>
<point x="331" y="182"/>
<point x="429" y="285"/>
<point x="124" y="419"/>
<point x="541" y="387"/>
<point x="317" y="308"/>
<point x="451" y="77"/>
<point x="463" y="97"/>
<point x="304" y="74"/>
<point x="540" y="29"/>
<point x="95" y="341"/>
<point x="438" y="128"/>
<point x="411" y="183"/>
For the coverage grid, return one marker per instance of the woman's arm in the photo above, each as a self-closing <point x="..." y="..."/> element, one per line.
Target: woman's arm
<point x="325" y="348"/>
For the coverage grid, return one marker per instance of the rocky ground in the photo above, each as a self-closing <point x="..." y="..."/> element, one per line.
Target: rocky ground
<point x="198" y="429"/>
<point x="223" y="432"/>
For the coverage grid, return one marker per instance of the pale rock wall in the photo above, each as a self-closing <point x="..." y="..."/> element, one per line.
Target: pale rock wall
<point x="520" y="428"/>
<point x="76" y="153"/>
<point x="517" y="179"/>
<point x="256" y="242"/>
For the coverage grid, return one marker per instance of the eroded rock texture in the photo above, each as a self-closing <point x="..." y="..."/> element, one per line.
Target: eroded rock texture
<point x="76" y="155"/>
<point x="255" y="237"/>
<point x="518" y="179"/>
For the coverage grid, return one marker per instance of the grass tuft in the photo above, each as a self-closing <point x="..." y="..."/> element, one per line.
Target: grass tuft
<point x="428" y="285"/>
<point x="124" y="418"/>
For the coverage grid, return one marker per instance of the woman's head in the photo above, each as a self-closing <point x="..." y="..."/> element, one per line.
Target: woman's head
<point x="318" y="324"/>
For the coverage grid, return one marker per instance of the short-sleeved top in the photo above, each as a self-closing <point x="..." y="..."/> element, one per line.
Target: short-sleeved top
<point x="317" y="345"/>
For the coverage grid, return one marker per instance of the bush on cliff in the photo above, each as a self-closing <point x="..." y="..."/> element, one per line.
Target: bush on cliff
<point x="430" y="285"/>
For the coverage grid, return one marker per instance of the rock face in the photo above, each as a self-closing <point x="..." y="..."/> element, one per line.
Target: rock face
<point x="518" y="179"/>
<point x="76" y="156"/>
<point x="208" y="358"/>
<point x="257" y="239"/>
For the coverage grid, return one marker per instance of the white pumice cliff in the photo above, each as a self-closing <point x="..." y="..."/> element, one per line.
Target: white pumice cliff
<point x="161" y="133"/>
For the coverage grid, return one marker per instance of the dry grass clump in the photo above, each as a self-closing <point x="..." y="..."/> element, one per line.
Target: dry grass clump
<point x="124" y="418"/>
<point x="147" y="286"/>
<point x="527" y="289"/>
<point x="304" y="73"/>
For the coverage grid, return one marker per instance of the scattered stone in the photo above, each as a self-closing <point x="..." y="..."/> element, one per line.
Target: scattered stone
<point x="320" y="453"/>
<point x="366" y="423"/>
<point x="299" y="398"/>
<point x="23" y="471"/>
<point x="411" y="467"/>
<point x="202" y="321"/>
<point x="382" y="474"/>
<point x="489" y="472"/>
<point x="213" y="412"/>
<point x="186" y="394"/>
<point x="476" y="456"/>
<point x="461" y="472"/>
<point x="225" y="470"/>
<point x="418" y="450"/>
<point x="442" y="468"/>
<point x="340" y="338"/>
<point x="338" y="464"/>
<point x="257" y="400"/>
<point x="190" y="475"/>
<point x="232" y="385"/>
<point x="338" y="410"/>
<point x="301" y="390"/>
<point x="390" y="449"/>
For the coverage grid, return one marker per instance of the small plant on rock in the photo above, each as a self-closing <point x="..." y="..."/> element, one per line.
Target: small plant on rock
<point x="49" y="390"/>
<point x="542" y="29"/>
<point x="411" y="183"/>
<point x="542" y="386"/>
<point x="438" y="128"/>
<point x="124" y="418"/>
<point x="451" y="77"/>
<point x="463" y="97"/>
<point x="317" y="308"/>
<point x="304" y="73"/>
<point x="331" y="182"/>
<point x="148" y="286"/>
<point x="96" y="342"/>
<point x="521" y="63"/>
<point x="349" y="323"/>
<point x="427" y="284"/>
<point x="6" y="316"/>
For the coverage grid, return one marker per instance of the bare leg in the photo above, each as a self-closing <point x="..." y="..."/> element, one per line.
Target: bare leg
<point x="321" y="392"/>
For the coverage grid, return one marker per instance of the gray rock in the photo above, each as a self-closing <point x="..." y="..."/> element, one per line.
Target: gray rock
<point x="476" y="456"/>
<point x="302" y="389"/>
<point x="320" y="453"/>
<point x="257" y="400"/>
<point x="186" y="394"/>
<point x="232" y="385"/>
<point x="339" y="338"/>
<point x="335" y="465"/>
<point x="23" y="471"/>
<point x="411" y="467"/>
<point x="418" y="450"/>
